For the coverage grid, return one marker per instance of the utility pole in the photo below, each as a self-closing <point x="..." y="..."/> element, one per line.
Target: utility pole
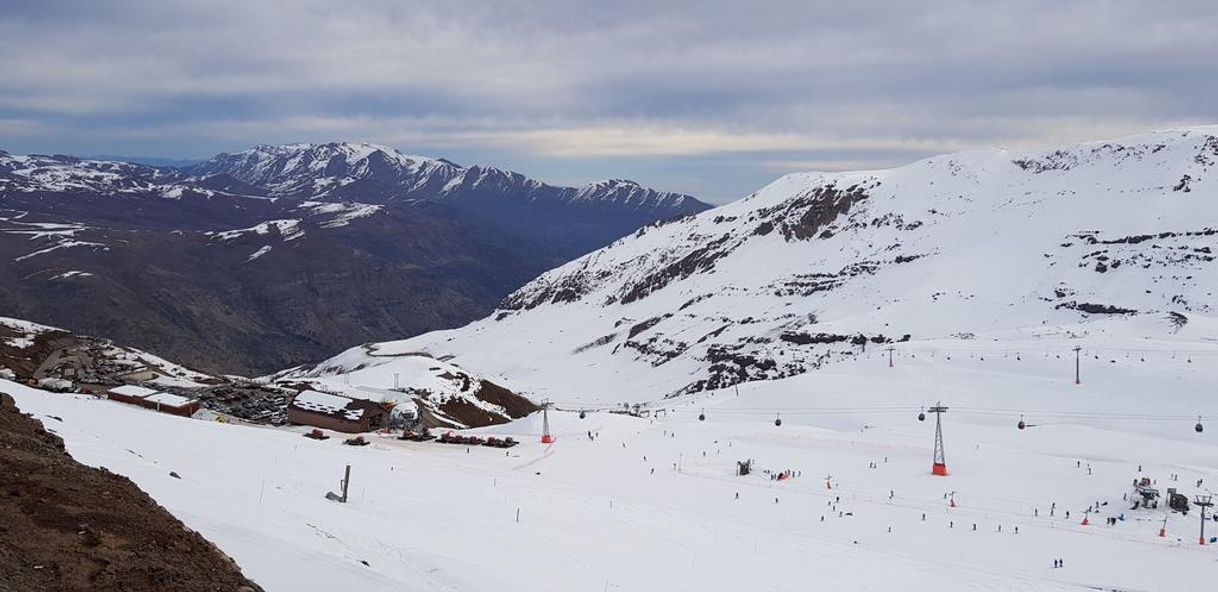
<point x="1077" y="349"/>
<point x="1203" y="502"/>
<point x="890" y="357"/>
<point x="395" y="380"/>
<point x="940" y="463"/>
<point x="346" y="483"/>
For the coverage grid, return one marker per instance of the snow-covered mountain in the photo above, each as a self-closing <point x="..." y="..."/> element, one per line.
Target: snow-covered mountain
<point x="815" y="268"/>
<point x="379" y="173"/>
<point x="47" y="174"/>
<point x="278" y="255"/>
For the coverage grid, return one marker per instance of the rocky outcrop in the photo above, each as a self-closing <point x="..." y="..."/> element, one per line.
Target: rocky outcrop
<point x="68" y="527"/>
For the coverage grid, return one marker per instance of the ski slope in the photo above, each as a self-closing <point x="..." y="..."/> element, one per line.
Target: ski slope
<point x="594" y="516"/>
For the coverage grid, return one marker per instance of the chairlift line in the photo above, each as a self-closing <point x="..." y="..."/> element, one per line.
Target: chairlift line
<point x="1063" y="416"/>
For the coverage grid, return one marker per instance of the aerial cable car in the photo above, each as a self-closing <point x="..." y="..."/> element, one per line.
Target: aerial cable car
<point x="922" y="414"/>
<point x="702" y="416"/>
<point x="777" y="421"/>
<point x="582" y="414"/>
<point x="1200" y="428"/>
<point x="1021" y="425"/>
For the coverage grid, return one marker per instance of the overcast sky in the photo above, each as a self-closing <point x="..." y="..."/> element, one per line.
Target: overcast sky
<point x="704" y="97"/>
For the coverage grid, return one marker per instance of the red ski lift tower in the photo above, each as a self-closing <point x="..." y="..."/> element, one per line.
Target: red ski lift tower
<point x="940" y="464"/>
<point x="546" y="437"/>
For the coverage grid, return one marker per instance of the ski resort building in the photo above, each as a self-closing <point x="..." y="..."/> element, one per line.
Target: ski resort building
<point x="336" y="412"/>
<point x="129" y="393"/>
<point x="172" y="404"/>
<point x="154" y="399"/>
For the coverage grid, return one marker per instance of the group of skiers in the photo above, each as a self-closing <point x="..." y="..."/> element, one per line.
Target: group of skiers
<point x="783" y="475"/>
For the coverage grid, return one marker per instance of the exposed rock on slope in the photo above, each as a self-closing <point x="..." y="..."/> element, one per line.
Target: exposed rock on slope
<point x="65" y="526"/>
<point x="32" y="352"/>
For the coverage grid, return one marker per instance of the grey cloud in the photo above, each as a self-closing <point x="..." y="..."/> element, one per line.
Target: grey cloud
<point x="735" y="86"/>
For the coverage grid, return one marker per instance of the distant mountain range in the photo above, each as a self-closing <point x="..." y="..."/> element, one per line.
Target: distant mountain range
<point x="270" y="257"/>
<point x="159" y="161"/>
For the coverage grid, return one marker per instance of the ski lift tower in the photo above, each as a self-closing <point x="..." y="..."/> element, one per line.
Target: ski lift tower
<point x="546" y="437"/>
<point x="940" y="464"/>
<point x="1204" y="502"/>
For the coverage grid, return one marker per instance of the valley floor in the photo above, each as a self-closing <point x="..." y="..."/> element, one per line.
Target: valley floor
<point x="654" y="504"/>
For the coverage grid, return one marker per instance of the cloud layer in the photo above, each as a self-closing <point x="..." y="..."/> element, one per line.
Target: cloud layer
<point x="712" y="98"/>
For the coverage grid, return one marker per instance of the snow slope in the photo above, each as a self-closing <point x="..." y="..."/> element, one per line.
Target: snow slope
<point x="816" y="268"/>
<point x="651" y="504"/>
